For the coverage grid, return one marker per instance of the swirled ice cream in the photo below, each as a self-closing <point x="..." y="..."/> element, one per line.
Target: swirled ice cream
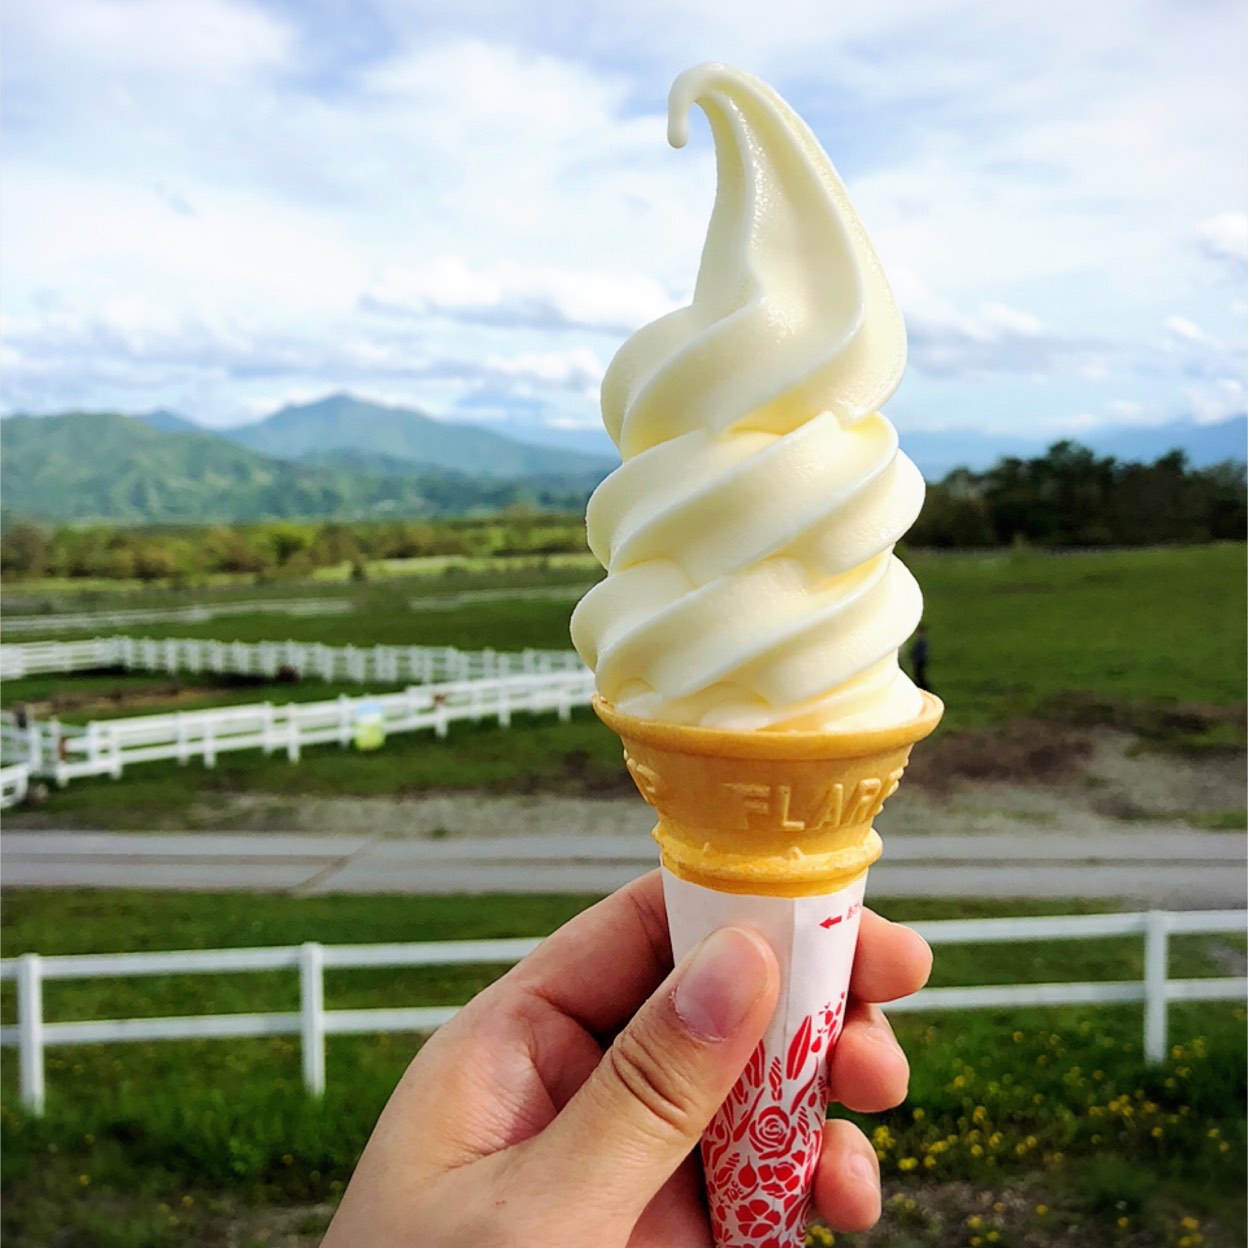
<point x="748" y="534"/>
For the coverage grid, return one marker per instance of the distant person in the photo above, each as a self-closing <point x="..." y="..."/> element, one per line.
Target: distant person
<point x="918" y="657"/>
<point x="21" y="720"/>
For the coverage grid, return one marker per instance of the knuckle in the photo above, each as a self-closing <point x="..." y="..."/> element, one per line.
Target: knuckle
<point x="652" y="1078"/>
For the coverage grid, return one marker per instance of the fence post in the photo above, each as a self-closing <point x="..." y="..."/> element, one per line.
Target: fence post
<point x="56" y="742"/>
<point x="1156" y="967"/>
<point x="312" y="1016"/>
<point x="34" y="746"/>
<point x="30" y="1030"/>
<point x="292" y="733"/>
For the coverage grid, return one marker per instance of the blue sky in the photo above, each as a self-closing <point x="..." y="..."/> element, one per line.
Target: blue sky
<point x="220" y="206"/>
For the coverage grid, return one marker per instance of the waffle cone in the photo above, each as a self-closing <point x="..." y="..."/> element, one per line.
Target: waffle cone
<point x="773" y="814"/>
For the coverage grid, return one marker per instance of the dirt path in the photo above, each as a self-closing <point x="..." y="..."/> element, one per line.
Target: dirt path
<point x="1109" y="788"/>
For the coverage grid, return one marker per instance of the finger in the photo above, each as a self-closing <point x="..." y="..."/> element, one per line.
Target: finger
<point x="868" y="1072"/>
<point x="847" y="1180"/>
<point x="677" y="1215"/>
<point x="625" y="933"/>
<point x="891" y="961"/>
<point x="642" y="1111"/>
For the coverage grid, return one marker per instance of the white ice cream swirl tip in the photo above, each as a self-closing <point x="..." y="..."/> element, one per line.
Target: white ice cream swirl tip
<point x="748" y="533"/>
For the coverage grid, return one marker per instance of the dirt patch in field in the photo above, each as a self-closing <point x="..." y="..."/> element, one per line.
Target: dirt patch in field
<point x="1025" y="752"/>
<point x="1025" y="1213"/>
<point x="154" y="697"/>
<point x="1092" y="783"/>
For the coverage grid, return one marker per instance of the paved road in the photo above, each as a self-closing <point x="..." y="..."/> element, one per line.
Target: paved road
<point x="1174" y="868"/>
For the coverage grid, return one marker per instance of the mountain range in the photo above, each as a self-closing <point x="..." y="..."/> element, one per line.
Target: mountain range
<point x="347" y="458"/>
<point x="162" y="468"/>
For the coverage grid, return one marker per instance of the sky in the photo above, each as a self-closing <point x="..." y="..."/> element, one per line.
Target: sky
<point x="223" y="206"/>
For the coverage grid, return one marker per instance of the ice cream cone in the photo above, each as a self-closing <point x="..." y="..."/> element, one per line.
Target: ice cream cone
<point x="775" y="814"/>
<point x="773" y="830"/>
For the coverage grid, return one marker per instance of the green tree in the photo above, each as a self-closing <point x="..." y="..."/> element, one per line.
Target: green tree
<point x="23" y="550"/>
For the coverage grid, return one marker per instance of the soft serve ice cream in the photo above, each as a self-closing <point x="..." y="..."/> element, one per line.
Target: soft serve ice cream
<point x="745" y="638"/>
<point x="748" y="534"/>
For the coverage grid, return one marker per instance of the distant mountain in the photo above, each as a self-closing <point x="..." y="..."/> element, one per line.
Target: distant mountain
<point x="346" y="458"/>
<point x="342" y="422"/>
<point x="170" y="422"/>
<point x="937" y="452"/>
<point x="1203" y="444"/>
<point x="345" y="431"/>
<point x="84" y="466"/>
<point x="592" y="440"/>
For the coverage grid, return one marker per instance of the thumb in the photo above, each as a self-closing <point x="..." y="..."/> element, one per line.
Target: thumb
<point x="645" y="1107"/>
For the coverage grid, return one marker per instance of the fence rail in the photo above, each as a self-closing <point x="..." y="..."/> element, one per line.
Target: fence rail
<point x="14" y="784"/>
<point x="34" y="622"/>
<point x="273" y="659"/>
<point x="106" y="747"/>
<point x="312" y="1023"/>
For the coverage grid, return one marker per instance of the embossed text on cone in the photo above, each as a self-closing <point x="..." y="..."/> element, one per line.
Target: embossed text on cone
<point x="780" y="814"/>
<point x="772" y="830"/>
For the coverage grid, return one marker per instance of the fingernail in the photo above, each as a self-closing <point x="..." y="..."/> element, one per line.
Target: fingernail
<point x="881" y="1032"/>
<point x="720" y="985"/>
<point x="863" y="1168"/>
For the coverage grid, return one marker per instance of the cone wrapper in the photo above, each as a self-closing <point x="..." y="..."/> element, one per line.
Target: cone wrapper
<point x="773" y="831"/>
<point x="761" y="1149"/>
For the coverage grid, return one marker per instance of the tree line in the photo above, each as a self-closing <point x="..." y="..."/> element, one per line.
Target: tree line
<point x="1070" y="497"/>
<point x="1067" y="497"/>
<point x="272" y="550"/>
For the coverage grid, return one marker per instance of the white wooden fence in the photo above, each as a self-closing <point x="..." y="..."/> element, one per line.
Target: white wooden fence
<point x="14" y="784"/>
<point x="81" y="621"/>
<point x="107" y="747"/>
<point x="353" y="664"/>
<point x="312" y="1023"/>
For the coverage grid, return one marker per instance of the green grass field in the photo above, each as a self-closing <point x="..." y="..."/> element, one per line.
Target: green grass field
<point x="167" y="1144"/>
<point x="1151" y="640"/>
<point x="1010" y="631"/>
<point x="431" y="574"/>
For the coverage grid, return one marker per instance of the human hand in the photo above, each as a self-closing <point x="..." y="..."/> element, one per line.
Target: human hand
<point x="563" y="1103"/>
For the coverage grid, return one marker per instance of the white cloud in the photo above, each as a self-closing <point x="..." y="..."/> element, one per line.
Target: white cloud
<point x="516" y="295"/>
<point x="104" y="42"/>
<point x="1188" y="331"/>
<point x="209" y="201"/>
<point x="1218" y="399"/>
<point x="997" y="339"/>
<point x="1225" y="237"/>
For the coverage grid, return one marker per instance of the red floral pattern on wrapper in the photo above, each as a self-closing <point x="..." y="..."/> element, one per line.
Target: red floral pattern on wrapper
<point x="761" y="1149"/>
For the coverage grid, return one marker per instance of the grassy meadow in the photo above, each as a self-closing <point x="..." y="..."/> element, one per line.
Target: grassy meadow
<point x="1031" y="1129"/>
<point x="1047" y="1120"/>
<point x="1150" y="640"/>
